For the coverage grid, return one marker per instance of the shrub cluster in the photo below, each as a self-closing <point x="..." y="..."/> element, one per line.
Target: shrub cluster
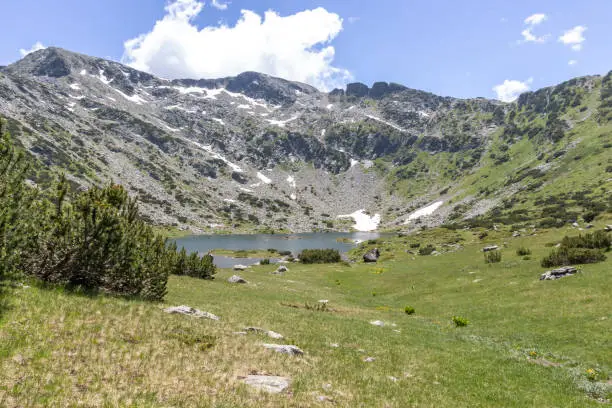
<point x="522" y="251"/>
<point x="317" y="256"/>
<point x="94" y="240"/>
<point x="427" y="250"/>
<point x="581" y="249"/>
<point x="492" y="257"/>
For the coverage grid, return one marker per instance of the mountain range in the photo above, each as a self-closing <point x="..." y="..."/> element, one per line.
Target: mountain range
<point x="259" y="153"/>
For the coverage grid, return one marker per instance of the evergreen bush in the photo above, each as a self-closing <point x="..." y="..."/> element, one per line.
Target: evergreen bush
<point x="316" y="256"/>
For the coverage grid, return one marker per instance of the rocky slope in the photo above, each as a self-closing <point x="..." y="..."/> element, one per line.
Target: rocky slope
<point x="257" y="152"/>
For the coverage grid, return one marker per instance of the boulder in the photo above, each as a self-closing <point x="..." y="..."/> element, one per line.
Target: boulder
<point x="281" y="269"/>
<point x="240" y="267"/>
<point x="559" y="273"/>
<point x="190" y="311"/>
<point x="236" y="279"/>
<point x="268" y="383"/>
<point x="490" y="248"/>
<point x="608" y="228"/>
<point x="372" y="255"/>
<point x="516" y="234"/>
<point x="285" y="349"/>
<point x="269" y="333"/>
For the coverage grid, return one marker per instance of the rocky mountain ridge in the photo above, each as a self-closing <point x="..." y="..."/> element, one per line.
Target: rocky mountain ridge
<point x="252" y="151"/>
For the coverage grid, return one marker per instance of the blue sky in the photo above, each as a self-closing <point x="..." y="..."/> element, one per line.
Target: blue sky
<point x="457" y="48"/>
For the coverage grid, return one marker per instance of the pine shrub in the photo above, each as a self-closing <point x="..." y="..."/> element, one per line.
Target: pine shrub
<point x="492" y="257"/>
<point x="522" y="251"/>
<point x="317" y="256"/>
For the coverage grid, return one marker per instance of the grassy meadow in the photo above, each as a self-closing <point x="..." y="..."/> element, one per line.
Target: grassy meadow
<point x="529" y="343"/>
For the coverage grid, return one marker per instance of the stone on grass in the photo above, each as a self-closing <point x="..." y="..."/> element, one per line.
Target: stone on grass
<point x="236" y="279"/>
<point x="190" y="311"/>
<point x="372" y="255"/>
<point x="285" y="349"/>
<point x="269" y="333"/>
<point x="516" y="234"/>
<point x="240" y="267"/>
<point x="559" y="273"/>
<point x="377" y="323"/>
<point x="369" y="359"/>
<point x="490" y="248"/>
<point x="268" y="383"/>
<point x="608" y="228"/>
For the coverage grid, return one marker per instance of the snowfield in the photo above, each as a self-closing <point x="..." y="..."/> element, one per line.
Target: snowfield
<point x="430" y="209"/>
<point x="363" y="222"/>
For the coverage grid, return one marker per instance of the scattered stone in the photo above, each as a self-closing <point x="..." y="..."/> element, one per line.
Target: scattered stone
<point x="285" y="349"/>
<point x="240" y="333"/>
<point x="490" y="248"/>
<point x="608" y="228"/>
<point x="236" y="279"/>
<point x="269" y="333"/>
<point x="476" y="280"/>
<point x="589" y="226"/>
<point x="369" y="359"/>
<point x="268" y="383"/>
<point x="240" y="267"/>
<point x="282" y="269"/>
<point x="516" y="234"/>
<point x="575" y="225"/>
<point x="190" y="311"/>
<point x="379" y="323"/>
<point x="372" y="255"/>
<point x="323" y="301"/>
<point x="334" y="345"/>
<point x="325" y="398"/>
<point x="327" y="387"/>
<point x="559" y="273"/>
<point x="392" y="378"/>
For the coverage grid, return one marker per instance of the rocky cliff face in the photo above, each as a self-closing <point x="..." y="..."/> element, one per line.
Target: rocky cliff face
<point x="252" y="151"/>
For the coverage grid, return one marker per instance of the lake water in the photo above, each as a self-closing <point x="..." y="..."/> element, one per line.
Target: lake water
<point x="282" y="242"/>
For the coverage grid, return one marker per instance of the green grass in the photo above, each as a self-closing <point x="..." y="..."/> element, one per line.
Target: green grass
<point x="528" y="342"/>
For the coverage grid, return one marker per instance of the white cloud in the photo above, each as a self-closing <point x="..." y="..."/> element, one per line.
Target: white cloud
<point x="532" y="21"/>
<point x="536" y="19"/>
<point x="572" y="62"/>
<point x="574" y="38"/>
<point x="529" y="37"/>
<point x="35" y="47"/>
<point x="295" y="47"/>
<point x="219" y="5"/>
<point x="509" y="90"/>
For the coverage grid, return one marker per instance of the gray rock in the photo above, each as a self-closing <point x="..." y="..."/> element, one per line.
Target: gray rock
<point x="608" y="228"/>
<point x="285" y="349"/>
<point x="490" y="248"/>
<point x="269" y="333"/>
<point x="372" y="255"/>
<point x="516" y="234"/>
<point x="240" y="267"/>
<point x="236" y="279"/>
<point x="190" y="311"/>
<point x="369" y="359"/>
<point x="575" y="225"/>
<point x="282" y="268"/>
<point x="379" y="323"/>
<point x="268" y="383"/>
<point x="559" y="273"/>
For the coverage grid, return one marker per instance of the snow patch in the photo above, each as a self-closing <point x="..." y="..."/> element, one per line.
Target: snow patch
<point x="282" y="123"/>
<point x="243" y="107"/>
<point x="103" y="78"/>
<point x="330" y="106"/>
<point x="323" y="132"/>
<point x="83" y="72"/>
<point x="219" y="120"/>
<point x="363" y="222"/>
<point x="394" y="126"/>
<point x="209" y="150"/>
<point x="293" y="196"/>
<point x="246" y="190"/>
<point x="430" y="209"/>
<point x="229" y="200"/>
<point x="263" y="178"/>
<point x="76" y="87"/>
<point x="351" y="107"/>
<point x="354" y="162"/>
<point x="78" y="98"/>
<point x="291" y="181"/>
<point x="134" y="98"/>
